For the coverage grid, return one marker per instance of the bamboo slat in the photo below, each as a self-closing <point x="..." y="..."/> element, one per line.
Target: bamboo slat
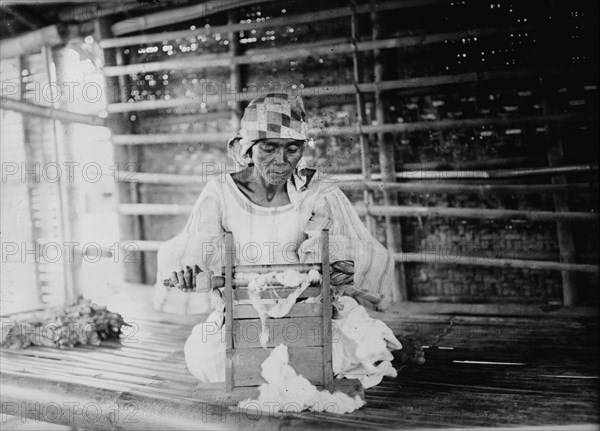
<point x="422" y="126"/>
<point x="368" y="87"/>
<point x="557" y="352"/>
<point x="444" y="258"/>
<point x="310" y="17"/>
<point x="173" y="16"/>
<point x="397" y="211"/>
<point x="482" y="189"/>
<point x="449" y="259"/>
<point x="31" y="42"/>
<point x="171" y="138"/>
<point x="154" y="209"/>
<point x="353" y="182"/>
<point x="315" y="49"/>
<point x="419" y="126"/>
<point x="477" y="213"/>
<point x="51" y="113"/>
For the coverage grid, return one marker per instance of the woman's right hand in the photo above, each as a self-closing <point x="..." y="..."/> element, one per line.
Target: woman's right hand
<point x="185" y="278"/>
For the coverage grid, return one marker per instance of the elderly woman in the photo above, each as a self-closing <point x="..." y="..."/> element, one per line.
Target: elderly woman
<point x="276" y="208"/>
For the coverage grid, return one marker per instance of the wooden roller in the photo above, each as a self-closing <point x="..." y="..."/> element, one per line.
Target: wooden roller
<point x="340" y="274"/>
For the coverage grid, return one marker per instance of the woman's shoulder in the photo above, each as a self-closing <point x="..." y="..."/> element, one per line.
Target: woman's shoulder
<point x="214" y="187"/>
<point x="321" y="182"/>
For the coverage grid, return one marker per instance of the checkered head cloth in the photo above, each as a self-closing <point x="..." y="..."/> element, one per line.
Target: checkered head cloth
<point x="275" y="115"/>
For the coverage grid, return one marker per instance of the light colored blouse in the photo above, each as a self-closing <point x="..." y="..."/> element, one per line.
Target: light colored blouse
<point x="273" y="235"/>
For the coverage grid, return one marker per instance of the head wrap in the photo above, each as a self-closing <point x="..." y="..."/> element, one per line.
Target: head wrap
<point x="275" y="115"/>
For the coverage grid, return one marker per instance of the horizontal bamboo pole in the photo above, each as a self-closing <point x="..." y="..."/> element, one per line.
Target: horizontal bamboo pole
<point x="482" y="189"/>
<point x="154" y="209"/>
<point x="211" y="96"/>
<point x="190" y="138"/>
<point x="420" y="257"/>
<point x="95" y="10"/>
<point x="475" y="213"/>
<point x="310" y="17"/>
<point x="158" y="178"/>
<point x="51" y="113"/>
<point x="171" y="138"/>
<point x="107" y="249"/>
<point x="355" y="182"/>
<point x="498" y="173"/>
<point x="173" y="16"/>
<point x="447" y="259"/>
<point x="484" y="301"/>
<point x="396" y="211"/>
<point x="315" y="49"/>
<point x="423" y="126"/>
<point x="496" y="162"/>
<point x="31" y="42"/>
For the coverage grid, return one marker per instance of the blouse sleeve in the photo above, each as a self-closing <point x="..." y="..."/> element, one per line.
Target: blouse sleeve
<point x="199" y="244"/>
<point x="350" y="240"/>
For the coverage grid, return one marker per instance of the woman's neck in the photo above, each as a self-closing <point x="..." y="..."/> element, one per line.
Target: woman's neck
<point x="259" y="191"/>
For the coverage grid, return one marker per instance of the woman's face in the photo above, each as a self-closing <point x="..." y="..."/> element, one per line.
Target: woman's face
<point x="275" y="159"/>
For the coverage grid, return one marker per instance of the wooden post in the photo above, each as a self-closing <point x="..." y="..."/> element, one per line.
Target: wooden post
<point x="235" y="73"/>
<point x="387" y="165"/>
<point x="134" y="155"/>
<point x="327" y="312"/>
<point x="30" y="186"/>
<point x="365" y="157"/>
<point x="129" y="227"/>
<point x="229" y="257"/>
<point x="566" y="243"/>
<point x="68" y="212"/>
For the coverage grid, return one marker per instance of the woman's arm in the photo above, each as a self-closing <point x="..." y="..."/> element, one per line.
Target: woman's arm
<point x="350" y="240"/>
<point x="199" y="243"/>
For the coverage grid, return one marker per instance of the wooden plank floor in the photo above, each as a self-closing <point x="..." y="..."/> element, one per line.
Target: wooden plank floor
<point x="485" y="371"/>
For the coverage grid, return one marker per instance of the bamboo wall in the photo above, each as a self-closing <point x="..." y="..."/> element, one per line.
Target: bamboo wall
<point x="480" y="94"/>
<point x="31" y="214"/>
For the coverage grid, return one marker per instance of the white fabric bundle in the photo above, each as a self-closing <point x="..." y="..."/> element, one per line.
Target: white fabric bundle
<point x="205" y="349"/>
<point x="359" y="342"/>
<point x="286" y="391"/>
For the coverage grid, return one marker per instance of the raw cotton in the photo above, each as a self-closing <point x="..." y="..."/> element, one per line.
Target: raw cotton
<point x="286" y="391"/>
<point x="359" y="343"/>
<point x="287" y="278"/>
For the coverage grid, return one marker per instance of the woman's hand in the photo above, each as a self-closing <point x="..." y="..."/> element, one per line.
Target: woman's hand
<point x="184" y="279"/>
<point x="342" y="273"/>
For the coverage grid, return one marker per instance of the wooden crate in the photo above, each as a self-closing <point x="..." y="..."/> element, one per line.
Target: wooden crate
<point x="306" y="329"/>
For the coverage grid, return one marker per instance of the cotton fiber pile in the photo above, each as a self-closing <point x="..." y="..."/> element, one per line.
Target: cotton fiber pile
<point x="286" y="391"/>
<point x="360" y="347"/>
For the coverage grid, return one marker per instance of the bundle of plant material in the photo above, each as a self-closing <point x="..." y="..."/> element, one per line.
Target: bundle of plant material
<point x="79" y="322"/>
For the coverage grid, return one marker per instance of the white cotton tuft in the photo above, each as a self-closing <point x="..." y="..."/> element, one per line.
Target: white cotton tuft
<point x="314" y="276"/>
<point x="290" y="278"/>
<point x="285" y="390"/>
